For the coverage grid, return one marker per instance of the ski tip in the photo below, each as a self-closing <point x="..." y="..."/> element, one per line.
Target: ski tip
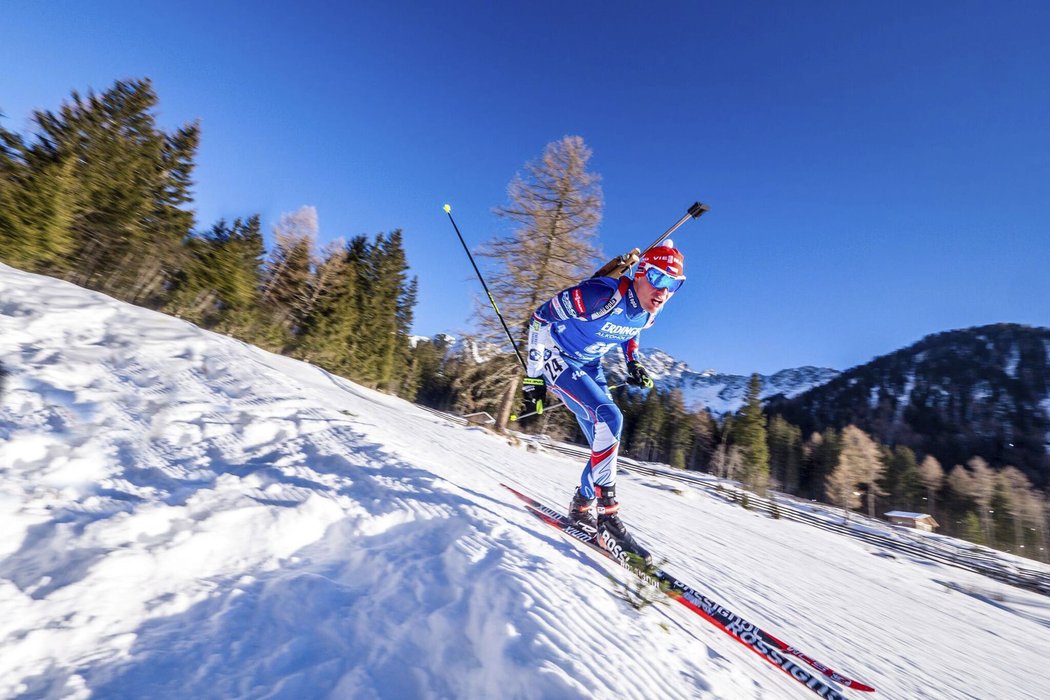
<point x="511" y="489"/>
<point x="447" y="208"/>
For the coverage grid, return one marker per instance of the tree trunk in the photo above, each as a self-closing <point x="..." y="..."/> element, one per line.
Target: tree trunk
<point x="507" y="405"/>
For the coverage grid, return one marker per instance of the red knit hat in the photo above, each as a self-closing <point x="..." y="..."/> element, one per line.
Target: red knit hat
<point x="664" y="256"/>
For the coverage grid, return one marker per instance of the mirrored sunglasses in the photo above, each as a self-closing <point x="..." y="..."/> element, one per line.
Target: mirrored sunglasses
<point x="661" y="280"/>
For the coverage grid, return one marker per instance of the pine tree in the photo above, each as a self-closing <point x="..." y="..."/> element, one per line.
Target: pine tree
<point x="785" y="453"/>
<point x="750" y="432"/>
<point x="901" y="480"/>
<point x="555" y="207"/>
<point x="328" y="332"/>
<point x="820" y="457"/>
<point x="909" y="483"/>
<point x="132" y="181"/>
<point x="972" y="529"/>
<point x="37" y="206"/>
<point x="351" y="308"/>
<point x="703" y="439"/>
<point x="678" y="433"/>
<point x="290" y="268"/>
<point x="429" y="364"/>
<point x="356" y="310"/>
<point x="219" y="274"/>
<point x="647" y="434"/>
<point x="235" y="261"/>
<point x="393" y="296"/>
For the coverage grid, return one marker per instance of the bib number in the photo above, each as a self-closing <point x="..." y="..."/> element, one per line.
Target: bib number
<point x="553" y="368"/>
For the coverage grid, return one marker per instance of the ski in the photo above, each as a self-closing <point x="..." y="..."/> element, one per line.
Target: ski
<point x="767" y="646"/>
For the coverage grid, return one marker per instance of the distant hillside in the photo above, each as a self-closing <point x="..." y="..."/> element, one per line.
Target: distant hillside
<point x="979" y="391"/>
<point x="717" y="392"/>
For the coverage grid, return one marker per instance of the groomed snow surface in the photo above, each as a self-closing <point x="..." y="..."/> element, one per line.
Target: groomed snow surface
<point x="186" y="516"/>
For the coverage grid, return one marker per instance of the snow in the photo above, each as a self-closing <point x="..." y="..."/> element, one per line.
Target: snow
<point x="1012" y="360"/>
<point x="188" y="516"/>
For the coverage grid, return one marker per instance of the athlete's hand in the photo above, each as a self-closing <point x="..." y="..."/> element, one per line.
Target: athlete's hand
<point x="535" y="391"/>
<point x="637" y="375"/>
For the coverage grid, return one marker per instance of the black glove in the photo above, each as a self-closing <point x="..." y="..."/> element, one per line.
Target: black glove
<point x="637" y="375"/>
<point x="535" y="391"/>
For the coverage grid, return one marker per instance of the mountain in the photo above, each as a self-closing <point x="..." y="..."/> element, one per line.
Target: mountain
<point x="187" y="516"/>
<point x="976" y="391"/>
<point x="717" y="392"/>
<point x="460" y="346"/>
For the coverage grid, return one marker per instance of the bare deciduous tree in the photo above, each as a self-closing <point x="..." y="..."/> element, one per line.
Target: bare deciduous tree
<point x="727" y="461"/>
<point x="859" y="465"/>
<point x="1024" y="504"/>
<point x="978" y="483"/>
<point x="983" y="489"/>
<point x="556" y="207"/>
<point x="840" y="487"/>
<point x="931" y="474"/>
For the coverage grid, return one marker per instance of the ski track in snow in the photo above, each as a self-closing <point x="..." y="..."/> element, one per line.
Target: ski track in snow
<point x="188" y="516"/>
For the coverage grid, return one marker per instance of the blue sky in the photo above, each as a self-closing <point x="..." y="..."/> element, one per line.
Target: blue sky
<point x="876" y="171"/>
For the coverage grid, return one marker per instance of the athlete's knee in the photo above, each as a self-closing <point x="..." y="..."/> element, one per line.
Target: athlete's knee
<point x="609" y="413"/>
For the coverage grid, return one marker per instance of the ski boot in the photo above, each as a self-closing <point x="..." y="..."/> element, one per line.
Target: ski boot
<point x="581" y="515"/>
<point x="612" y="533"/>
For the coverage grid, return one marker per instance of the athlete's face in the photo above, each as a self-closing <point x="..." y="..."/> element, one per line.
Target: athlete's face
<point x="651" y="298"/>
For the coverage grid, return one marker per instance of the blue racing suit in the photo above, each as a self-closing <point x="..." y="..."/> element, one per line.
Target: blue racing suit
<point x="568" y="336"/>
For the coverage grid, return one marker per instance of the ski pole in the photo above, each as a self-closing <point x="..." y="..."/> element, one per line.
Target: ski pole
<point x="448" y="210"/>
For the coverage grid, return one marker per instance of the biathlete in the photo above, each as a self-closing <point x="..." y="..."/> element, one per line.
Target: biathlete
<point x="568" y="336"/>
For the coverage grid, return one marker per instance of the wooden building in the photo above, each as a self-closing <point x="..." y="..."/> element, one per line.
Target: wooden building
<point x="918" y="521"/>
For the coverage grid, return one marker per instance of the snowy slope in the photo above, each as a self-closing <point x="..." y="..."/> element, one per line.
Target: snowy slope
<point x="185" y="516"/>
